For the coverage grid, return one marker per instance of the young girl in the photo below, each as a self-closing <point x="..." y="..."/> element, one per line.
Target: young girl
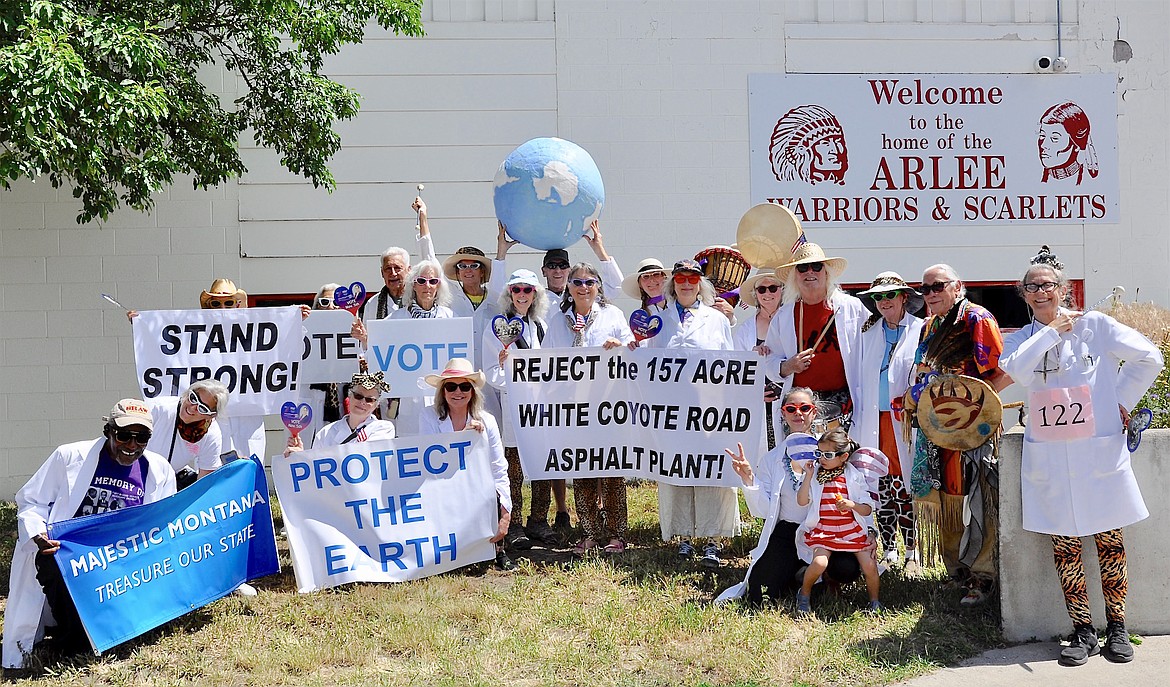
<point x="844" y="489"/>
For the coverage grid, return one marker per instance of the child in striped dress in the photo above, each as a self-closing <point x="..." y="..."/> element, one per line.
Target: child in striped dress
<point x="842" y="492"/>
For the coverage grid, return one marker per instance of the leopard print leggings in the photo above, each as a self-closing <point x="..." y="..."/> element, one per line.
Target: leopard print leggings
<point x="1070" y="566"/>
<point x="590" y="495"/>
<point x="895" y="513"/>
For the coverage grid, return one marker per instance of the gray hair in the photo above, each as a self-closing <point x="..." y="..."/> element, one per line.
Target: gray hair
<point x="217" y="389"/>
<point x="706" y="291"/>
<point x="442" y="296"/>
<point x="321" y="293"/>
<point x="567" y="300"/>
<point x="536" y="311"/>
<point x="951" y="274"/>
<point x="395" y="251"/>
<point x="791" y="288"/>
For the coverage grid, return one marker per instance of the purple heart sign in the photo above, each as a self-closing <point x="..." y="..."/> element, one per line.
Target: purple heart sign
<point x="644" y="325"/>
<point x="350" y="297"/>
<point x="296" y="417"/>
<point x="507" y="330"/>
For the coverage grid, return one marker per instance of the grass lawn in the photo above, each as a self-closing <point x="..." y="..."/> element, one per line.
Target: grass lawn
<point x="642" y="618"/>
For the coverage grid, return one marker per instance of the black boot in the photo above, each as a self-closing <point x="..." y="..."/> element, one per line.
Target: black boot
<point x="1081" y="645"/>
<point x="1118" y="648"/>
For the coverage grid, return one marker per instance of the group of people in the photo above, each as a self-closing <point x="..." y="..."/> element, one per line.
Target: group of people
<point x="840" y="472"/>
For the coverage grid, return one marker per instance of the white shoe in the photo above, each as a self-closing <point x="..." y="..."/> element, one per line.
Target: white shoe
<point x="892" y="557"/>
<point x="245" y="589"/>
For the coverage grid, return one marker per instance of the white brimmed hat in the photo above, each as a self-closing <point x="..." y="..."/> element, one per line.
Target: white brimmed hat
<point x="523" y="277"/>
<point x="467" y="254"/>
<point x="747" y="290"/>
<point x="648" y="266"/>
<point x="457" y="368"/>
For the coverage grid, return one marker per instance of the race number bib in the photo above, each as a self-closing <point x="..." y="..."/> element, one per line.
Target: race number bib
<point x="1061" y="414"/>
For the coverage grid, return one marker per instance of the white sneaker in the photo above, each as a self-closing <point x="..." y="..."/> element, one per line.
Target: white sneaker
<point x="245" y="589"/>
<point x="892" y="557"/>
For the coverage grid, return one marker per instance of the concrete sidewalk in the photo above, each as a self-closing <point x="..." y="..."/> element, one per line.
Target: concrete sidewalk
<point x="1035" y="664"/>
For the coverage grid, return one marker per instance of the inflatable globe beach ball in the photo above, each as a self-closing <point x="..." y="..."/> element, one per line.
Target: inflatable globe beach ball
<point x="547" y="192"/>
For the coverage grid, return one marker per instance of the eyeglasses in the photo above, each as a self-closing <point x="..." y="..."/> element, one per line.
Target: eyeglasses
<point x="324" y="302"/>
<point x="467" y="265"/>
<point x="817" y="453"/>
<point x="884" y="296"/>
<point x="229" y="303"/>
<point x="652" y="275"/>
<point x="522" y="289"/>
<point x="687" y="278"/>
<point x="359" y="397"/>
<point x="814" y="266"/>
<point x="462" y="386"/>
<point x="1044" y="286"/>
<point x="937" y="287"/>
<point x="792" y="408"/>
<point x="203" y="408"/>
<point x="423" y="281"/>
<point x="588" y="283"/>
<point x="557" y="266"/>
<point x="126" y="436"/>
<point x="768" y="289"/>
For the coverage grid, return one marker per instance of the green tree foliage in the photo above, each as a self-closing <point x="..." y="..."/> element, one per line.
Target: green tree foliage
<point x="107" y="94"/>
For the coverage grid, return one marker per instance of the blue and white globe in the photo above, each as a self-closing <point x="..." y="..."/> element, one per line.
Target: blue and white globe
<point x="548" y="191"/>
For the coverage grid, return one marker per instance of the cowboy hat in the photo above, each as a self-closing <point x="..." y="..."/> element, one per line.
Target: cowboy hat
<point x="891" y="281"/>
<point x="464" y="254"/>
<point x="747" y="290"/>
<point x="221" y="292"/>
<point x="808" y="253"/>
<point x="630" y="285"/>
<point x="457" y="368"/>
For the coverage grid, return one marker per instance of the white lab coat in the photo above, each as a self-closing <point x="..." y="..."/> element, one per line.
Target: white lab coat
<point x="865" y="411"/>
<point x="743" y="338"/>
<point x="497" y="375"/>
<point x="334" y="433"/>
<point x="695" y="511"/>
<point x="1082" y="486"/>
<point x="409" y="407"/>
<point x="165" y="440"/>
<point x="609" y="322"/>
<point x="429" y="423"/>
<point x="851" y="314"/>
<point x="54" y="494"/>
<point x="243" y="434"/>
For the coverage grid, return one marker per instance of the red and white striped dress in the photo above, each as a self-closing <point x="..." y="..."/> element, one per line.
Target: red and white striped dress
<point x="836" y="530"/>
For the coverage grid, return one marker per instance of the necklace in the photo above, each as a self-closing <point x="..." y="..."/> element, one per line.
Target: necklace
<point x="824" y="475"/>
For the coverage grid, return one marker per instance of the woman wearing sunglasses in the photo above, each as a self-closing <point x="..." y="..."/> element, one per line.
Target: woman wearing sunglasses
<point x="813" y="338"/>
<point x="426" y="297"/>
<point x="764" y="291"/>
<point x="586" y="319"/>
<point x="689" y="321"/>
<point x="648" y="285"/>
<point x="524" y="298"/>
<point x="770" y="488"/>
<point x="889" y="339"/>
<point x="359" y="424"/>
<point x="1076" y="477"/>
<point x="185" y="430"/>
<point x="458" y="406"/>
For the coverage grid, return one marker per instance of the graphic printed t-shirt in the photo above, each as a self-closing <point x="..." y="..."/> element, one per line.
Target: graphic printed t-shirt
<point x="114" y="486"/>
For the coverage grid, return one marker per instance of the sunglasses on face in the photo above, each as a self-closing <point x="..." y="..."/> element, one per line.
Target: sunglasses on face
<point x="768" y="289"/>
<point x="359" y="397"/>
<point x="467" y="265"/>
<point x="423" y="281"/>
<point x="937" y="287"/>
<point x="203" y="408"/>
<point x="522" y="289"/>
<point x="461" y="386"/>
<point x="126" y="436"/>
<point x="884" y="296"/>
<point x="1044" y="286"/>
<point x="557" y="266"/>
<point x="216" y="303"/>
<point x="792" y="408"/>
<point x="687" y="278"/>
<point x="814" y="266"/>
<point x="817" y="453"/>
<point x="587" y="283"/>
<point x="324" y="302"/>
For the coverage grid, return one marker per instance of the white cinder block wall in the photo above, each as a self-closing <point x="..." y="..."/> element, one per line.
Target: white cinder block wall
<point x="656" y="91"/>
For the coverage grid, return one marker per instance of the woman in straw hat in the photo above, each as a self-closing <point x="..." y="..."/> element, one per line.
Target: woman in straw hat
<point x="764" y="291"/>
<point x="524" y="299"/>
<point x="459" y="406"/>
<point x="1076" y="478"/>
<point x="889" y="339"/>
<point x="587" y="319"/>
<point x="690" y="321"/>
<point x="359" y="424"/>
<point x="813" y="340"/>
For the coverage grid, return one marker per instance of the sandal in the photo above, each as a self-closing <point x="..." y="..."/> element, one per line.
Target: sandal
<point x="615" y="546"/>
<point x="584" y="546"/>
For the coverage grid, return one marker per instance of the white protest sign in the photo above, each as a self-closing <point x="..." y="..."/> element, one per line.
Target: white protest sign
<point x="253" y="351"/>
<point x="408" y="349"/>
<point x="387" y="511"/>
<point x="855" y="150"/>
<point x="330" y="353"/>
<point x="665" y="415"/>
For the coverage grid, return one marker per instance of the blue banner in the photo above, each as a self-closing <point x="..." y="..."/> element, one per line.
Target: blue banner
<point x="132" y="570"/>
